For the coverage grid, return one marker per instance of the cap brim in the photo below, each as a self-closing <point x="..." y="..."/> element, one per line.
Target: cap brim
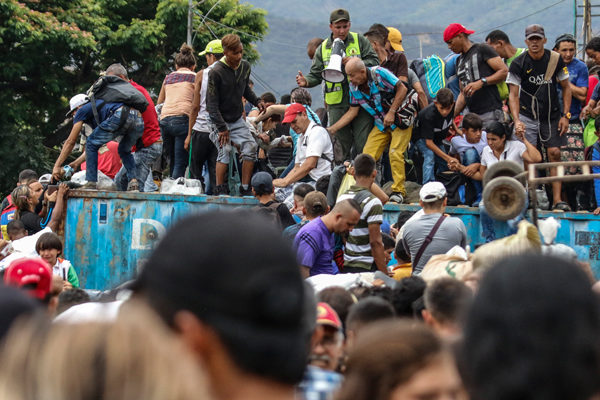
<point x="70" y="112"/>
<point x="468" y="32"/>
<point x="339" y="19"/>
<point x="289" y="118"/>
<point x="397" y="47"/>
<point x="532" y="35"/>
<point x="327" y="322"/>
<point x="202" y="53"/>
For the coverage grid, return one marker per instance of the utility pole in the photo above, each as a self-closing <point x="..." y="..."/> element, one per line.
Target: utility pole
<point x="190" y="22"/>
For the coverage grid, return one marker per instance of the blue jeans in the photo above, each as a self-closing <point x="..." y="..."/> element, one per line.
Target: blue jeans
<point x="109" y="129"/>
<point x="174" y="131"/>
<point x="471" y="156"/>
<point x="430" y="161"/>
<point x="143" y="165"/>
<point x="487" y="222"/>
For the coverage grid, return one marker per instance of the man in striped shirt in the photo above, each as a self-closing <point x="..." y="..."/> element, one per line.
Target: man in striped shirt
<point x="364" y="248"/>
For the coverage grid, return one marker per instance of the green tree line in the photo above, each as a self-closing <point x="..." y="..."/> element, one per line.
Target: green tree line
<point x="53" y="49"/>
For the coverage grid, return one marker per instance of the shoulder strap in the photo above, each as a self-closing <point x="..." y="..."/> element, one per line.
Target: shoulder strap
<point x="554" y="56"/>
<point x="428" y="240"/>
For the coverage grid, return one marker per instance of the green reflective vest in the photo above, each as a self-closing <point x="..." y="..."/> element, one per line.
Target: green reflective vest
<point x="333" y="91"/>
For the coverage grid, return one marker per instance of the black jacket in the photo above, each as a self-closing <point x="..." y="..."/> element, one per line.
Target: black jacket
<point x="226" y="87"/>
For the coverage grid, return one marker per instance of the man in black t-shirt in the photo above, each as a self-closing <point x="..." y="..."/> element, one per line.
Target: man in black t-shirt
<point x="533" y="100"/>
<point x="431" y="128"/>
<point x="479" y="68"/>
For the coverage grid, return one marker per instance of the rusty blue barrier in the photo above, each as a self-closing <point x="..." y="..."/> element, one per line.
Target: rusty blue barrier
<point x="109" y="235"/>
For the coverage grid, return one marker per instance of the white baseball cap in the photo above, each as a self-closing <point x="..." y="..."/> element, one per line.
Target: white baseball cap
<point x="76" y="101"/>
<point x="432" y="191"/>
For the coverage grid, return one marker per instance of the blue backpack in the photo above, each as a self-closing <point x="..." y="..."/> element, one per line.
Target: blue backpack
<point x="431" y="73"/>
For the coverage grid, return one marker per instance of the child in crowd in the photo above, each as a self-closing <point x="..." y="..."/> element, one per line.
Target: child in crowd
<point x="49" y="247"/>
<point x="467" y="149"/>
<point x="596" y="170"/>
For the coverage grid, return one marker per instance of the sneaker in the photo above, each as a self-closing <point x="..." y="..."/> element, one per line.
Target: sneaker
<point x="247" y="192"/>
<point x="133" y="186"/>
<point x="222" y="189"/>
<point x="89" y="186"/>
<point x="396" y="198"/>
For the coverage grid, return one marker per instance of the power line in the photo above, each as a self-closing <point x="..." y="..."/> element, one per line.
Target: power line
<point x="496" y="27"/>
<point x="254" y="36"/>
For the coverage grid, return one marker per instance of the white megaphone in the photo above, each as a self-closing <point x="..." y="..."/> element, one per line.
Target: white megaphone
<point x="333" y="73"/>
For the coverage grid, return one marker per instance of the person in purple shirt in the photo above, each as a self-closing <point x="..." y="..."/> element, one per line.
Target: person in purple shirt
<point x="314" y="243"/>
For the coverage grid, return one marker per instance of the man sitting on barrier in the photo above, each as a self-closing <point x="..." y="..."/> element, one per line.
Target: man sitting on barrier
<point x="314" y="154"/>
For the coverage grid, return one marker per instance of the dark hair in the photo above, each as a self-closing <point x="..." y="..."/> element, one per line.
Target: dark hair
<point x="434" y="205"/>
<point x="71" y="297"/>
<point x="417" y="307"/>
<point x="260" y="319"/>
<point x="532" y="332"/>
<point x="303" y="189"/>
<point x="400" y="253"/>
<point x="386" y="355"/>
<point x="496" y="35"/>
<point x="406" y="291"/>
<point x="376" y="37"/>
<point x="388" y="241"/>
<point x="185" y="58"/>
<point x="15" y="226"/>
<point x="403" y="216"/>
<point x="230" y="42"/>
<point x="285" y="99"/>
<point x="339" y="299"/>
<point x="447" y="300"/>
<point x="368" y="310"/>
<point x="472" y="121"/>
<point x="498" y="129"/>
<point x="268" y="97"/>
<point x="593" y="44"/>
<point x="445" y="97"/>
<point x="48" y="241"/>
<point x="27" y="175"/>
<point x="364" y="165"/>
<point x="380" y="29"/>
<point x="597" y="124"/>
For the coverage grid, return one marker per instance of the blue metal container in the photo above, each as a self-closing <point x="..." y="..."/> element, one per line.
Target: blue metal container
<point x="109" y="235"/>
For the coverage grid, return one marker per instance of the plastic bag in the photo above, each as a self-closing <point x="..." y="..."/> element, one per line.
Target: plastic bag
<point x="185" y="186"/>
<point x="454" y="264"/>
<point x="104" y="182"/>
<point x="346" y="183"/>
<point x="589" y="133"/>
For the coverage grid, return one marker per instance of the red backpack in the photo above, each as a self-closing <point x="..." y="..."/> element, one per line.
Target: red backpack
<point x="8" y="214"/>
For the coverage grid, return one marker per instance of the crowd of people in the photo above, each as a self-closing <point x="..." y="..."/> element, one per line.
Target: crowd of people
<point x="312" y="293"/>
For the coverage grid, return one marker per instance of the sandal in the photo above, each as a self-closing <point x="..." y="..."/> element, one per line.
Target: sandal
<point x="561" y="206"/>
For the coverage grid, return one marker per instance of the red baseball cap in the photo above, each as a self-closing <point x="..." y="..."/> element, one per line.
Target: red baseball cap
<point x="291" y="112"/>
<point x="34" y="272"/>
<point x="327" y="316"/>
<point x="454" y="29"/>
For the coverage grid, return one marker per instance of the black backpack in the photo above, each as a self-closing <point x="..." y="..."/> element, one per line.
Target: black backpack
<point x="269" y="212"/>
<point x="113" y="89"/>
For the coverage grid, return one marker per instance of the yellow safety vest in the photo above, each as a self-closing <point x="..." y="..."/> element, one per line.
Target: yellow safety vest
<point x="333" y="91"/>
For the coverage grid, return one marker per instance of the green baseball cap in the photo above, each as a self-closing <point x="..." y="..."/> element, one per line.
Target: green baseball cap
<point x="213" y="47"/>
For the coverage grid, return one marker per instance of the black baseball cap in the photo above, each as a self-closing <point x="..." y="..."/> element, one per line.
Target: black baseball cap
<point x="262" y="182"/>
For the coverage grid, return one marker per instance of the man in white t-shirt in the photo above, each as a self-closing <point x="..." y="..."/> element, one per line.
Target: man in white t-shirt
<point x="314" y="152"/>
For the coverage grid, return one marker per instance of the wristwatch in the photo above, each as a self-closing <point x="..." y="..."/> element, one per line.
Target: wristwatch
<point x="484" y="80"/>
<point x="568" y="115"/>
